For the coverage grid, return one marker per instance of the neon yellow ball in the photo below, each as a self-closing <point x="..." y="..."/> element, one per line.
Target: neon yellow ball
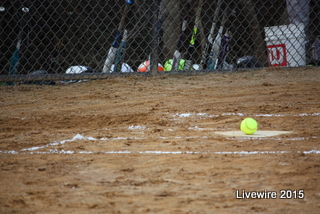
<point x="168" y="65"/>
<point x="249" y="126"/>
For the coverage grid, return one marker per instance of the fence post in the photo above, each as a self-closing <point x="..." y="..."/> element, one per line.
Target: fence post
<point x="258" y="42"/>
<point x="154" y="56"/>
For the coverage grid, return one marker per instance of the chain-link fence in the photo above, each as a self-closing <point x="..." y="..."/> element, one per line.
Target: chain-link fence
<point x="55" y="39"/>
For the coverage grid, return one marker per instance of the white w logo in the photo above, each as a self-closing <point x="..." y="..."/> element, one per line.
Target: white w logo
<point x="277" y="55"/>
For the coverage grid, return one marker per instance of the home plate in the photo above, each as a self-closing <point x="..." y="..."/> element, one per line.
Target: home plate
<point x="256" y="134"/>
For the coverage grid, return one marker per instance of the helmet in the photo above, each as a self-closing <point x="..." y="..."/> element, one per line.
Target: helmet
<point x="248" y="62"/>
<point x="124" y="68"/>
<point x="78" y="69"/>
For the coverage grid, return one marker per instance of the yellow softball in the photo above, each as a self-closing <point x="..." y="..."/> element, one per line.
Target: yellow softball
<point x="249" y="126"/>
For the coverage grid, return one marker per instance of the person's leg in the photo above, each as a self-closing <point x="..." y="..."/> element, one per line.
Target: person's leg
<point x="316" y="51"/>
<point x="298" y="11"/>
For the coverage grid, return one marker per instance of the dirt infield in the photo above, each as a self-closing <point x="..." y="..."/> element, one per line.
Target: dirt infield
<point x="150" y="144"/>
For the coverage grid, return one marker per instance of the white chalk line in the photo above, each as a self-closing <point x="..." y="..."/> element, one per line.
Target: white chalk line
<point x="184" y="115"/>
<point x="32" y="150"/>
<point x="80" y="137"/>
<point x="56" y="151"/>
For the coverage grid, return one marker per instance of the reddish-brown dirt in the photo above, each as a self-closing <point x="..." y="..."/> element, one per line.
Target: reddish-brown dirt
<point x="148" y="144"/>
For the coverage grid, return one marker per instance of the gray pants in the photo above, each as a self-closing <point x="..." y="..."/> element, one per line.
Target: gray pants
<point x="298" y="11"/>
<point x="316" y="50"/>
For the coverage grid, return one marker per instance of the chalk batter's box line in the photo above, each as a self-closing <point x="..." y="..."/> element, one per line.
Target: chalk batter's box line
<point x="56" y="151"/>
<point x="32" y="150"/>
<point x="185" y="115"/>
<point x="80" y="137"/>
